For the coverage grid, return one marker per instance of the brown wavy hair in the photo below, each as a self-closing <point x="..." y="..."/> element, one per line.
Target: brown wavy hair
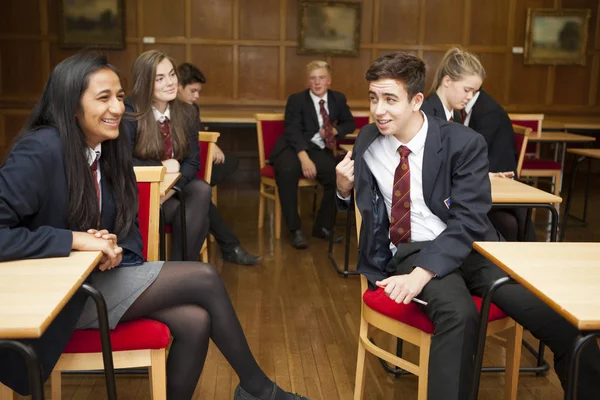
<point x="457" y="63"/>
<point x="149" y="144"/>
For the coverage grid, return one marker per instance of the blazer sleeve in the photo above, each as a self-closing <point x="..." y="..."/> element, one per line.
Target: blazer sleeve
<point x="190" y="164"/>
<point x="346" y="122"/>
<point x="129" y="128"/>
<point x="294" y="124"/>
<point x="24" y="181"/>
<point x="471" y="200"/>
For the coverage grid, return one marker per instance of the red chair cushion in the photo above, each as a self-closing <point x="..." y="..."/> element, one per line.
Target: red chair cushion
<point x="271" y="130"/>
<point x="411" y="314"/>
<point x="202" y="156"/>
<point x="139" y="334"/>
<point x="268" y="171"/>
<point x="144" y="214"/>
<point x="536" y="163"/>
<point x="361" y="121"/>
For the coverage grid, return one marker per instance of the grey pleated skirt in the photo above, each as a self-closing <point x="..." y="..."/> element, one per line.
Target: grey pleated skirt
<point x="120" y="287"/>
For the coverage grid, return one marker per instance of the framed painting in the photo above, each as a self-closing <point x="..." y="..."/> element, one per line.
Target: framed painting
<point x="556" y="36"/>
<point x="329" y="28"/>
<point x="98" y="24"/>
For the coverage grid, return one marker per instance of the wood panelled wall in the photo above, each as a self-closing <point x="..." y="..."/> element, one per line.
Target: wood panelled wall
<point x="247" y="49"/>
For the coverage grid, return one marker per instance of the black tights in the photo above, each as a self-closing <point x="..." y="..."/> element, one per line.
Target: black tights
<point x="197" y="195"/>
<point x="191" y="299"/>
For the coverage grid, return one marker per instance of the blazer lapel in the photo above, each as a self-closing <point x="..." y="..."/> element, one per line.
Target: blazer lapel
<point x="311" y="105"/>
<point x="361" y="146"/>
<point x="432" y="159"/>
<point x="332" y="107"/>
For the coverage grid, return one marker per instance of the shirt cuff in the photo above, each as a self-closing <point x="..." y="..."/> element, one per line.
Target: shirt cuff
<point x="346" y="199"/>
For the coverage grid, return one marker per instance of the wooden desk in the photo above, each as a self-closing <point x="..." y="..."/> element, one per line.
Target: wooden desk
<point x="168" y="182"/>
<point x="572" y="122"/>
<point x="32" y="294"/>
<point x="232" y="116"/>
<point x="563" y="137"/>
<point x="579" y="156"/>
<point x="566" y="276"/>
<point x="346" y="147"/>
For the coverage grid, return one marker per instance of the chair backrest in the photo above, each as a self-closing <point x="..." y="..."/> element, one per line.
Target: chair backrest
<point x="148" y="183"/>
<point x="522" y="134"/>
<point x="533" y="121"/>
<point x="268" y="129"/>
<point x="207" y="142"/>
<point x="361" y="118"/>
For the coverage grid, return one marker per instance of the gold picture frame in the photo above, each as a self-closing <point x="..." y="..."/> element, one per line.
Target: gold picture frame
<point x="556" y="37"/>
<point x="97" y="24"/>
<point x="329" y="28"/>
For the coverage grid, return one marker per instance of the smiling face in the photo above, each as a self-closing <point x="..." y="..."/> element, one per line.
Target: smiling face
<point x="101" y="107"/>
<point x="190" y="93"/>
<point x="456" y="94"/>
<point x="319" y="81"/>
<point x="393" y="113"/>
<point x="165" y="84"/>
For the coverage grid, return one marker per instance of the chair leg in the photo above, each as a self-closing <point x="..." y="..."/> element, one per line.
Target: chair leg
<point x="204" y="252"/>
<point x="56" y="385"/>
<point x="557" y="184"/>
<point x="158" y="375"/>
<point x="361" y="367"/>
<point x="277" y="215"/>
<point x="513" y="361"/>
<point x="423" y="366"/>
<point x="261" y="207"/>
<point x="7" y="394"/>
<point x="214" y="201"/>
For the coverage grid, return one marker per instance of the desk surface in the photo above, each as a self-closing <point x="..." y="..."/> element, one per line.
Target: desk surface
<point x="564" y="275"/>
<point x="33" y="292"/>
<point x="571" y="122"/>
<point x="346" y="147"/>
<point x="511" y="191"/>
<point x="561" y="137"/>
<point x="168" y="182"/>
<point x="592" y="153"/>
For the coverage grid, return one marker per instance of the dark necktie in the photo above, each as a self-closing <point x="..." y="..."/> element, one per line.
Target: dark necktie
<point x="463" y="115"/>
<point x="400" y="221"/>
<point x="94" y="169"/>
<point x="451" y="119"/>
<point x="168" y="144"/>
<point x="329" y="137"/>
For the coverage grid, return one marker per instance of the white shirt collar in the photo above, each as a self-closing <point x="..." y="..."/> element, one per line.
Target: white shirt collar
<point x="91" y="156"/>
<point x="416" y="144"/>
<point x="449" y="113"/>
<point x="472" y="102"/>
<point x="316" y="99"/>
<point x="160" y="117"/>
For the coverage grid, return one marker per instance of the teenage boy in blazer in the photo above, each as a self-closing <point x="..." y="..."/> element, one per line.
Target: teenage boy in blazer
<point x="305" y="149"/>
<point x="427" y="252"/>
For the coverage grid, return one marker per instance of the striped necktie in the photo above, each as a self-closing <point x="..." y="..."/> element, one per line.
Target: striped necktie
<point x="165" y="130"/>
<point x="400" y="220"/>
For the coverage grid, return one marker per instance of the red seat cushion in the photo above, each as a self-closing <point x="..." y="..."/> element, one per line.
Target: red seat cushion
<point x="536" y="163"/>
<point x="202" y="156"/>
<point x="139" y="334"/>
<point x="268" y="171"/>
<point x="411" y="314"/>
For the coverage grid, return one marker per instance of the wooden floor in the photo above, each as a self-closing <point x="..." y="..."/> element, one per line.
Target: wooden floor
<point x="301" y="320"/>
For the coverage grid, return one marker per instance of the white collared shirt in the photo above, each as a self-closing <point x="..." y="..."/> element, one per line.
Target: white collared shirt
<point x="160" y="117"/>
<point x="469" y="108"/>
<point x="449" y="113"/>
<point x="91" y="156"/>
<point x="382" y="158"/>
<point x="317" y="139"/>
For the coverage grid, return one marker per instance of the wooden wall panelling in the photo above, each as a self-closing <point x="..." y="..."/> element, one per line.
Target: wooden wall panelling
<point x="521" y="16"/>
<point x="259" y="69"/>
<point x="291" y="19"/>
<point x="15" y="13"/>
<point x="572" y="84"/>
<point x="259" y="19"/>
<point x="489" y="21"/>
<point x="367" y="20"/>
<point x="212" y="19"/>
<point x="399" y="21"/>
<point x="494" y="69"/>
<point x="175" y="51"/>
<point x="528" y="83"/>
<point x="295" y="71"/>
<point x="348" y="76"/>
<point x="432" y="62"/>
<point x="123" y="60"/>
<point x="593" y="23"/>
<point x="11" y="123"/>
<point x="164" y="18"/>
<point x="216" y="63"/>
<point x="20" y="71"/>
<point x="445" y="20"/>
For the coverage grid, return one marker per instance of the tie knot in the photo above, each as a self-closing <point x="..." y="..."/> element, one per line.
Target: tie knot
<point x="404" y="151"/>
<point x="463" y="115"/>
<point x="94" y="166"/>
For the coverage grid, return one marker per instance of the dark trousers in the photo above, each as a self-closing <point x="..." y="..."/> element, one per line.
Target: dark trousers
<point x="288" y="172"/>
<point x="223" y="234"/>
<point x="220" y="172"/>
<point x="455" y="318"/>
<point x="513" y="224"/>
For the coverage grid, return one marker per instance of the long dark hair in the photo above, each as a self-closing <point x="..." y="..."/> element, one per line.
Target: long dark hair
<point x="58" y="105"/>
<point x="149" y="144"/>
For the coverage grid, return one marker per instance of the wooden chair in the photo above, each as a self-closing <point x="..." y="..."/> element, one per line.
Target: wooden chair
<point x="532" y="166"/>
<point x="269" y="127"/>
<point x="135" y="344"/>
<point x="411" y="324"/>
<point x="533" y="121"/>
<point x="207" y="141"/>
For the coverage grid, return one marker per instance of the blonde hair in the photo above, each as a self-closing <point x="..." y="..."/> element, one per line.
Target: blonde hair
<point x="316" y="64"/>
<point x="457" y="64"/>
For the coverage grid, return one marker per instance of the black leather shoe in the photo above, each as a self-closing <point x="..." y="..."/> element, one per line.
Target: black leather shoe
<point x="241" y="257"/>
<point x="323" y="233"/>
<point x="241" y="394"/>
<point x="298" y="239"/>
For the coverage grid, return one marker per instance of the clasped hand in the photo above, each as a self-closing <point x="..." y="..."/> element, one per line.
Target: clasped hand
<point x="403" y="288"/>
<point x="100" y="240"/>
